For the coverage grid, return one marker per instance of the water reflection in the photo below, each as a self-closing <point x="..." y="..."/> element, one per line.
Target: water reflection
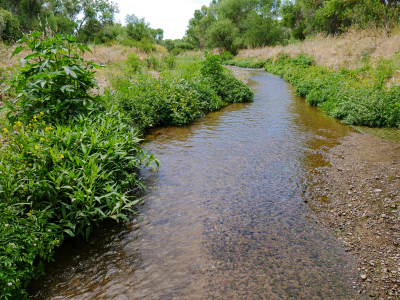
<point x="225" y="215"/>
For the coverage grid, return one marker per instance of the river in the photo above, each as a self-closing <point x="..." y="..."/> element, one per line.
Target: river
<point x="225" y="217"/>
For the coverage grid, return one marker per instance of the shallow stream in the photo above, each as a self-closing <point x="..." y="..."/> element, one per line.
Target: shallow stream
<point x="226" y="215"/>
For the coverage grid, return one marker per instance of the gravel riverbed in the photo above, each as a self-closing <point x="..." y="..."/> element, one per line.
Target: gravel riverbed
<point x="358" y="199"/>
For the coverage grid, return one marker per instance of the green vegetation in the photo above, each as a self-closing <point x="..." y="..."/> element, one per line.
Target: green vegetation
<point x="178" y="96"/>
<point x="70" y="159"/>
<point x="357" y="97"/>
<point x="245" y="63"/>
<point x="66" y="163"/>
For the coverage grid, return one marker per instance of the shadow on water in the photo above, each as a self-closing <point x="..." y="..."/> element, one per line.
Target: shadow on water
<point x="225" y="216"/>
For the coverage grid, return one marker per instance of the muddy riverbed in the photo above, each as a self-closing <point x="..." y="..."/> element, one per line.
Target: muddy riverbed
<point x="250" y="202"/>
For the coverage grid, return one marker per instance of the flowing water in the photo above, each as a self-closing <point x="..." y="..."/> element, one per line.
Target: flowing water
<point x="225" y="217"/>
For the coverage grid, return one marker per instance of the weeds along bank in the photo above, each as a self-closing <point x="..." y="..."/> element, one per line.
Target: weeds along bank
<point x="174" y="92"/>
<point x="70" y="159"/>
<point x="366" y="95"/>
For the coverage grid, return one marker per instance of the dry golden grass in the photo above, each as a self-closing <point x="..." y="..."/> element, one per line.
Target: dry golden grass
<point x="343" y="51"/>
<point x="101" y="54"/>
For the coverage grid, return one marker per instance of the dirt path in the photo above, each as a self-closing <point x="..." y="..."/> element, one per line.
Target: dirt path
<point x="358" y="198"/>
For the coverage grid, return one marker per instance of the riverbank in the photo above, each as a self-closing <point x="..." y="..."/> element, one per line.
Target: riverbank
<point x="357" y="198"/>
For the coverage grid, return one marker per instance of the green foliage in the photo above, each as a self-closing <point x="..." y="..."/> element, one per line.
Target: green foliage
<point x="150" y="101"/>
<point x="54" y="80"/>
<point x="63" y="173"/>
<point x="27" y="238"/>
<point x="176" y="97"/>
<point x="144" y="45"/>
<point x="223" y="35"/>
<point x="134" y="62"/>
<point x="212" y="66"/>
<point x="226" y="56"/>
<point x="232" y="24"/>
<point x="224" y="83"/>
<point x="136" y="28"/>
<point x="357" y="97"/>
<point x="73" y="176"/>
<point x="9" y="27"/>
<point x="245" y="63"/>
<point x="261" y="31"/>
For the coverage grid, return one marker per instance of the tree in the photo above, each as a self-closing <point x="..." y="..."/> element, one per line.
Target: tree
<point x="136" y="28"/>
<point x="224" y="35"/>
<point x="157" y="35"/>
<point x="9" y="27"/>
<point x="261" y="31"/>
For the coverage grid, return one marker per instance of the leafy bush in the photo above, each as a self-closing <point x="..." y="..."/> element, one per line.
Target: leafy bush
<point x="212" y="66"/>
<point x="226" y="56"/>
<point x="54" y="80"/>
<point x="9" y="27"/>
<point x="28" y="238"/>
<point x="134" y="62"/>
<point x="150" y="101"/>
<point x="229" y="88"/>
<point x="245" y="63"/>
<point x="73" y="176"/>
<point x="63" y="173"/>
<point x="176" y="97"/>
<point x="144" y="45"/>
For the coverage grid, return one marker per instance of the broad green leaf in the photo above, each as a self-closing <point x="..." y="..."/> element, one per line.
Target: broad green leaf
<point x="36" y="34"/>
<point x="68" y="71"/>
<point x="71" y="234"/>
<point x="17" y="50"/>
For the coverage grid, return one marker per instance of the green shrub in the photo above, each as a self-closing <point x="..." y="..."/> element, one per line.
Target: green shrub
<point x="245" y="63"/>
<point x="134" y="62"/>
<point x="143" y="45"/>
<point x="9" y="27"/>
<point x="357" y="97"/>
<point x="226" y="56"/>
<point x="153" y="62"/>
<point x="176" y="97"/>
<point x="176" y="51"/>
<point x="73" y="176"/>
<point x="170" y="61"/>
<point x="150" y="101"/>
<point x="54" y="80"/>
<point x="28" y="238"/>
<point x="229" y="88"/>
<point x="212" y="66"/>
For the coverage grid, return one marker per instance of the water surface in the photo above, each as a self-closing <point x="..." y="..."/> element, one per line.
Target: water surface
<point x="225" y="217"/>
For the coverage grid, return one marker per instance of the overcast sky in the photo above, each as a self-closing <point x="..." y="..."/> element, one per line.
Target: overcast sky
<point x="170" y="15"/>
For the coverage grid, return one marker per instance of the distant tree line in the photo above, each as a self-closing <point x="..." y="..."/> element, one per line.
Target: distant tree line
<point x="234" y="24"/>
<point x="90" y="20"/>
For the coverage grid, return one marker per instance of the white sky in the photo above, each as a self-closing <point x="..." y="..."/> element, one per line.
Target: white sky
<point x="170" y="15"/>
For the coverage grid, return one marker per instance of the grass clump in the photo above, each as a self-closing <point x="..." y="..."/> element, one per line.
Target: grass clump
<point x="357" y="97"/>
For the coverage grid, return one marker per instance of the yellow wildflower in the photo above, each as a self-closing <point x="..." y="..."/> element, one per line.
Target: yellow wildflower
<point x="5" y="130"/>
<point x="61" y="156"/>
<point x="36" y="147"/>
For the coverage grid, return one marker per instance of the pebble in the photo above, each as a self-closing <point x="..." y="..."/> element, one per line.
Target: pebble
<point x="377" y="190"/>
<point x="363" y="276"/>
